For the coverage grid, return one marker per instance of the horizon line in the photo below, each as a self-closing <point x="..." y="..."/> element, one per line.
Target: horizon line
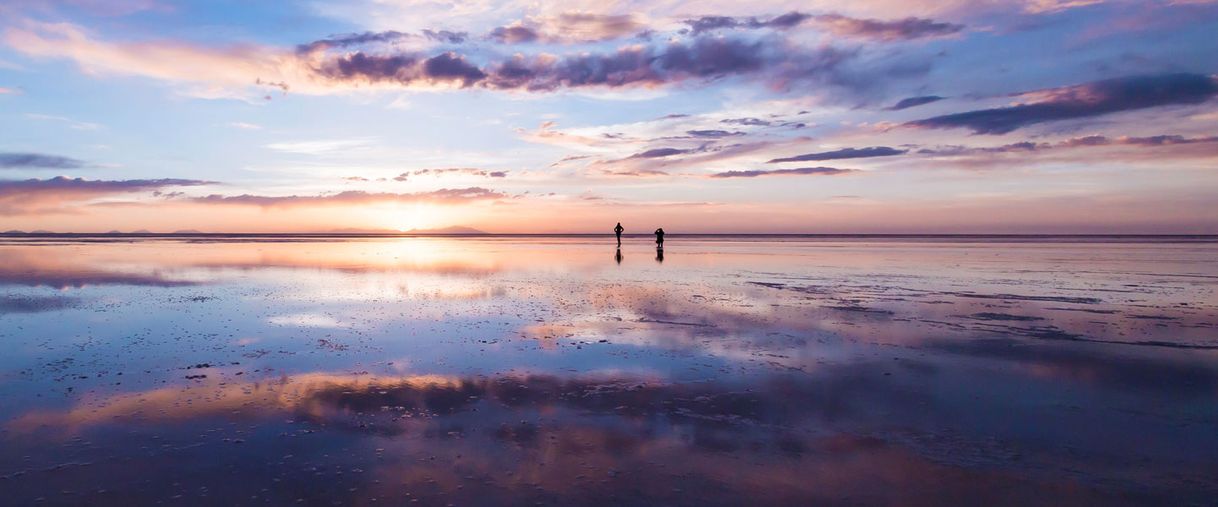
<point x="586" y="234"/>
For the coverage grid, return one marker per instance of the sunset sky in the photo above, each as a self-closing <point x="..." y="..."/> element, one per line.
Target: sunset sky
<point x="809" y="116"/>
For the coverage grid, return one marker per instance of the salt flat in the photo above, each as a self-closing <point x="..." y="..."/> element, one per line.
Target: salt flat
<point x="792" y="370"/>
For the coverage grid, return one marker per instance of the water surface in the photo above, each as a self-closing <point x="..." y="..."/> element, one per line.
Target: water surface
<point x="556" y="370"/>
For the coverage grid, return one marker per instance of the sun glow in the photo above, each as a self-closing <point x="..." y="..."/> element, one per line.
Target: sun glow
<point x="406" y="217"/>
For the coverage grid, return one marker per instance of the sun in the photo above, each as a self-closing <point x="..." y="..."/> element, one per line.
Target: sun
<point x="407" y="217"/>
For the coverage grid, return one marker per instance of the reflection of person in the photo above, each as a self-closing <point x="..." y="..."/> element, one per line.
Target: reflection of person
<point x="618" y="256"/>
<point x="660" y="254"/>
<point x="660" y="237"/>
<point x="618" y="230"/>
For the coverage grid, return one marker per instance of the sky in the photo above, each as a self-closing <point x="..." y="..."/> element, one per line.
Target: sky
<point x="809" y="116"/>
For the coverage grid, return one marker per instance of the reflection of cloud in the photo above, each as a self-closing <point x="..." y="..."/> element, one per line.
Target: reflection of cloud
<point x="307" y="320"/>
<point x="37" y="267"/>
<point x="522" y="438"/>
<point x="35" y="304"/>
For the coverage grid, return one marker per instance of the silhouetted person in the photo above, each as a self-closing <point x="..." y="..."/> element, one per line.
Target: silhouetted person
<point x="660" y="255"/>
<point x="618" y="230"/>
<point x="618" y="256"/>
<point x="660" y="238"/>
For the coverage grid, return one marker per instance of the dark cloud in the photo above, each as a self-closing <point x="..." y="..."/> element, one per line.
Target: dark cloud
<point x="1083" y="101"/>
<point x="662" y="152"/>
<point x="915" y="102"/>
<point x="1074" y="142"/>
<point x="874" y="151"/>
<point x="34" y="195"/>
<point x="749" y="122"/>
<point x="705" y="59"/>
<point x="570" y="27"/>
<point x="513" y="34"/>
<point x="452" y="67"/>
<point x="37" y="161"/>
<point x="902" y="29"/>
<point x="446" y="36"/>
<point x="713" y="133"/>
<point x="444" y="195"/>
<point x="352" y="39"/>
<point x="711" y="23"/>
<point x="810" y="171"/>
<point x="389" y="36"/>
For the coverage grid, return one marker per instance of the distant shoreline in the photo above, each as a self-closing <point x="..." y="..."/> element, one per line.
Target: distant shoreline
<point x="720" y="236"/>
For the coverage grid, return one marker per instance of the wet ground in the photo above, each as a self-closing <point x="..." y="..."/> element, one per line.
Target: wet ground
<point x="556" y="371"/>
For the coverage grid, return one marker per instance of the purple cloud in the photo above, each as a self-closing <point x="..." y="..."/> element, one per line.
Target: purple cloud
<point x="705" y="59"/>
<point x="514" y="34"/>
<point x="37" y="161"/>
<point x="353" y="197"/>
<point x="902" y="29"/>
<point x="914" y="102"/>
<point x="808" y="171"/>
<point x="874" y="151"/>
<point x="1087" y="100"/>
<point x="34" y="195"/>
<point x="661" y="153"/>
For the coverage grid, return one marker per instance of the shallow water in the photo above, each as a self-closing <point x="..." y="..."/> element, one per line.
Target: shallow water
<point x="480" y="371"/>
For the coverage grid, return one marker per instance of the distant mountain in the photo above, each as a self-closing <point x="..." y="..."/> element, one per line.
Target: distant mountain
<point x="187" y="231"/>
<point x="456" y="229"/>
<point x="142" y="231"/>
<point x="356" y="230"/>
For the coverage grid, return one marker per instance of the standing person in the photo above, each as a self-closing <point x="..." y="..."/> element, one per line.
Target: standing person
<point x="660" y="238"/>
<point x="618" y="230"/>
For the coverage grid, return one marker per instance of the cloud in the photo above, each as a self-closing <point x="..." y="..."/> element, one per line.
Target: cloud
<point x="662" y="152"/>
<point x="903" y="29"/>
<point x="9" y="91"/>
<point x="711" y="23"/>
<point x="513" y="34"/>
<point x="1074" y="142"/>
<point x="34" y="195"/>
<point x="637" y="66"/>
<point x="450" y="170"/>
<point x="37" y="161"/>
<point x="446" y="36"/>
<point x="77" y="125"/>
<point x="249" y="72"/>
<point x="914" y="102"/>
<point x="244" y="126"/>
<point x="322" y="146"/>
<point x="567" y="28"/>
<point x="353" y="39"/>
<point x="212" y="72"/>
<point x="809" y="171"/>
<point x="1086" y="100"/>
<point x="353" y="197"/>
<point x="874" y="151"/>
<point x="446" y="68"/>
<point x="713" y="133"/>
